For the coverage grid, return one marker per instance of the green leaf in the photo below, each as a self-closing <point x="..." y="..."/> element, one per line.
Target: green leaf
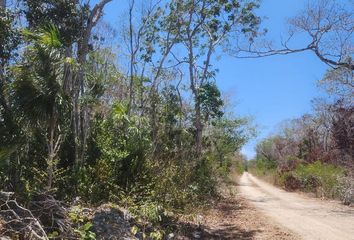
<point x="134" y="230"/>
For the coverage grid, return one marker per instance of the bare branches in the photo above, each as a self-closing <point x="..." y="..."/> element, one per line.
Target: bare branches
<point x="339" y="83"/>
<point x="95" y="15"/>
<point x="52" y="213"/>
<point x="2" y="4"/>
<point x="328" y="28"/>
<point x="19" y="220"/>
<point x="80" y="113"/>
<point x="97" y="12"/>
<point x="27" y="223"/>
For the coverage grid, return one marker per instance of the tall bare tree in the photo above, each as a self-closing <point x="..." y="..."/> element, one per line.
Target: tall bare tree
<point x="80" y="112"/>
<point x="329" y="29"/>
<point x="202" y="27"/>
<point x="3" y="4"/>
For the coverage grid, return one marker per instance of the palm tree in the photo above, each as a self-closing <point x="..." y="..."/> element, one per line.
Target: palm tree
<point x="38" y="90"/>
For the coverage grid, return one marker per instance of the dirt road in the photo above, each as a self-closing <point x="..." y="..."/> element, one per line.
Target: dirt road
<point x="307" y="217"/>
<point x="231" y="217"/>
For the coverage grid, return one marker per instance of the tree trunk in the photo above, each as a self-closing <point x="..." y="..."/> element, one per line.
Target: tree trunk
<point x="3" y="4"/>
<point x="50" y="171"/>
<point x="132" y="58"/>
<point x="80" y="112"/>
<point x="198" y="118"/>
<point x="51" y="152"/>
<point x="198" y="127"/>
<point x="154" y="126"/>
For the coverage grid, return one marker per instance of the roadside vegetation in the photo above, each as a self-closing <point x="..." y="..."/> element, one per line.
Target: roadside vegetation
<point x="83" y="124"/>
<point x="313" y="153"/>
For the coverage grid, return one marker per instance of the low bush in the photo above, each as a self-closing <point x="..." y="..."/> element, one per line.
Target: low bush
<point x="270" y="174"/>
<point x="319" y="178"/>
<point x="240" y="167"/>
<point x="325" y="180"/>
<point x="290" y="181"/>
<point x="346" y="189"/>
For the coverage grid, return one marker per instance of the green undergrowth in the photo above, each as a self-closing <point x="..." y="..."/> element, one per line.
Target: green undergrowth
<point x="319" y="178"/>
<point x="323" y="179"/>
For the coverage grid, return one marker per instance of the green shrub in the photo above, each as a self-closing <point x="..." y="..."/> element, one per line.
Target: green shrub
<point x="262" y="167"/>
<point x="171" y="184"/>
<point x="82" y="223"/>
<point x="319" y="178"/>
<point x="205" y="177"/>
<point x="240" y="167"/>
<point x="290" y="181"/>
<point x="150" y="212"/>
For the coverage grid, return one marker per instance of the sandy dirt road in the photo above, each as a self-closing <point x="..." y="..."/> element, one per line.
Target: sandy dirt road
<point x="307" y="217"/>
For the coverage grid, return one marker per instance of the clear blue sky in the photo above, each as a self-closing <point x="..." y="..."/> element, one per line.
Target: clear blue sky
<point x="270" y="89"/>
<point x="275" y="88"/>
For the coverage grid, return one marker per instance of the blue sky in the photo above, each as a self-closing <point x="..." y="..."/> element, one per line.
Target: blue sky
<point x="276" y="88"/>
<point x="269" y="89"/>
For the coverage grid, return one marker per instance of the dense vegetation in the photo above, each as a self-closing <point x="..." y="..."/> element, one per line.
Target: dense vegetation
<point x="145" y="129"/>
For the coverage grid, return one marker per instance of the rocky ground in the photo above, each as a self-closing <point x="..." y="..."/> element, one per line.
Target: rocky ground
<point x="230" y="217"/>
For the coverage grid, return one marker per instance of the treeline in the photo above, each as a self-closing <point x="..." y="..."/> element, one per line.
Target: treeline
<point x="316" y="151"/>
<point x="80" y="119"/>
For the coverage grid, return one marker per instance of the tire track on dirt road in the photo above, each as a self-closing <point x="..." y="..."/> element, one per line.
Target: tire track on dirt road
<point x="310" y="218"/>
